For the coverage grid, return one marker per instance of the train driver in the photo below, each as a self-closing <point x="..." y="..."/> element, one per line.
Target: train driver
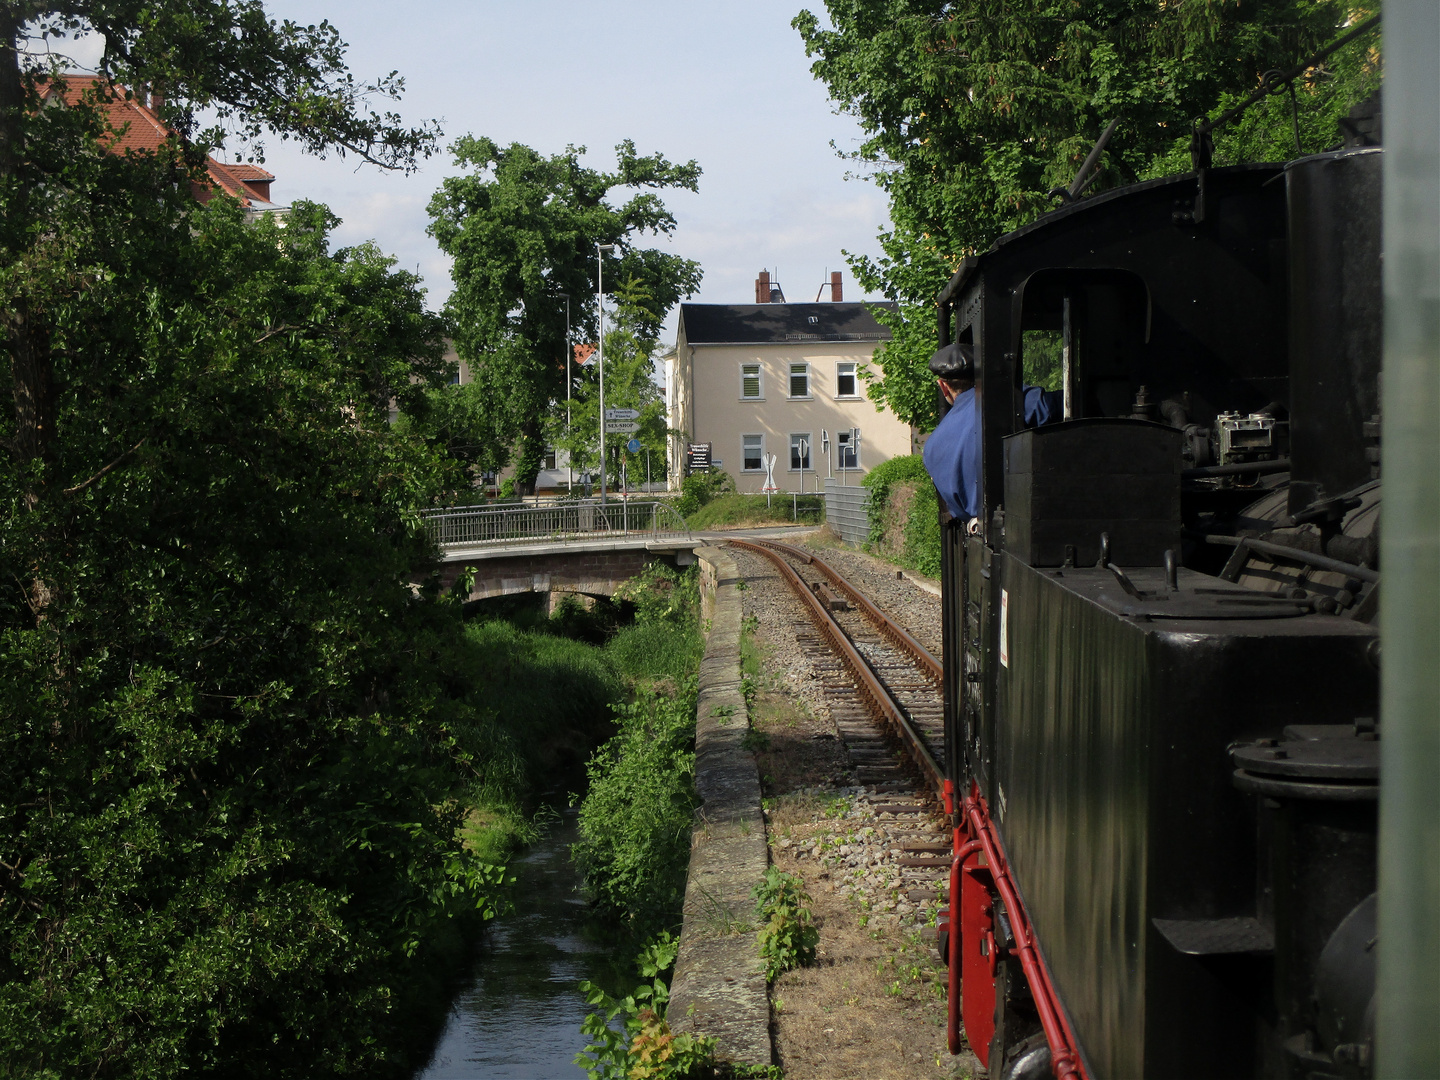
<point x="952" y="453"/>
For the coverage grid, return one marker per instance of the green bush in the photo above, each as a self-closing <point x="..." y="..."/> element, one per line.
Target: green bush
<point x="881" y="479"/>
<point x="922" y="531"/>
<point x="635" y="820"/>
<point x="919" y="546"/>
<point x="699" y="488"/>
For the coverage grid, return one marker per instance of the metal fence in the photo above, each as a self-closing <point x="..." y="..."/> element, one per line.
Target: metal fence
<point x="475" y="525"/>
<point x="847" y="509"/>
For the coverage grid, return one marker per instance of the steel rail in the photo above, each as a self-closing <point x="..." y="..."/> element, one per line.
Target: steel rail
<point x="898" y="635"/>
<point x="871" y="687"/>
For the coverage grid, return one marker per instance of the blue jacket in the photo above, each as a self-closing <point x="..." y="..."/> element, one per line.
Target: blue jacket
<point x="952" y="453"/>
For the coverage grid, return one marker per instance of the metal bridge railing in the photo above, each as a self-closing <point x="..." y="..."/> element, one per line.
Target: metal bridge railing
<point x="478" y="525"/>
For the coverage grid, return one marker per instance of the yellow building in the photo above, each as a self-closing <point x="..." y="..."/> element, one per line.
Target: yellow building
<point x="782" y="379"/>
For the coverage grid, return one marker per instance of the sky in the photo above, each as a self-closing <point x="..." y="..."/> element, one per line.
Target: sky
<point x="727" y="84"/>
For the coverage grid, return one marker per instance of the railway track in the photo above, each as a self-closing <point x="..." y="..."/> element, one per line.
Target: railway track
<point x="883" y="692"/>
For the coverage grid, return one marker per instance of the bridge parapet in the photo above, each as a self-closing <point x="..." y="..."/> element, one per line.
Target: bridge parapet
<point x="570" y="547"/>
<point x="476" y="527"/>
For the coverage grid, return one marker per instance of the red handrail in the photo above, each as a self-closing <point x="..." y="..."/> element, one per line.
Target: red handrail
<point x="975" y="820"/>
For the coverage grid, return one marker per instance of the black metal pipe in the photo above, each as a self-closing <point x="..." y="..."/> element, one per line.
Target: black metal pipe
<point x="1313" y="558"/>
<point x="1258" y="467"/>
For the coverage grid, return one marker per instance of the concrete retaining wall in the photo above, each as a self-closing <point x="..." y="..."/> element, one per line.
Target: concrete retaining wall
<point x="719" y="987"/>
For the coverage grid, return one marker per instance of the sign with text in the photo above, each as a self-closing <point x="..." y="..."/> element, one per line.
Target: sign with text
<point x="622" y="414"/>
<point x="620" y="427"/>
<point x="697" y="456"/>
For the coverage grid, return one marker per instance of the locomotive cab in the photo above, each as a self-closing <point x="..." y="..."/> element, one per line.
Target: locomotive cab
<point x="1161" y="667"/>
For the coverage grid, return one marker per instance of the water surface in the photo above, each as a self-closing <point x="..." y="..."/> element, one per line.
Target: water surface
<point x="518" y="1018"/>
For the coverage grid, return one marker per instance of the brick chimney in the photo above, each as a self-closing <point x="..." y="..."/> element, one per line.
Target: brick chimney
<point x="835" y="288"/>
<point x="762" y="287"/>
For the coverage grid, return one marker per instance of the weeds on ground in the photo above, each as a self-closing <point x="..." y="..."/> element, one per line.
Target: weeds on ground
<point x="787" y="935"/>
<point x="642" y="1047"/>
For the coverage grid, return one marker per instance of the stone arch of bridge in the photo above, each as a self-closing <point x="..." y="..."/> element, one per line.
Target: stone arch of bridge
<point x="582" y="573"/>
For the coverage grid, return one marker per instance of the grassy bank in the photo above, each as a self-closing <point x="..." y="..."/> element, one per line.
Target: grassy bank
<point x="737" y="511"/>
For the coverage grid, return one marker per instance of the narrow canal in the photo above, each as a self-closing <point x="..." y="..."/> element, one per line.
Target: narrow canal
<point x="518" y="1018"/>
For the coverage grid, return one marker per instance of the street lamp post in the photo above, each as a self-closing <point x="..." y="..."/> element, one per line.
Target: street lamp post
<point x="600" y="350"/>
<point x="569" y="358"/>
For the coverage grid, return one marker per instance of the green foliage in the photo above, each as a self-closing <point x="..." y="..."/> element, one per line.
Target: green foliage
<point x="522" y="228"/>
<point x="664" y="595"/>
<point x="920" y="547"/>
<point x="643" y="1047"/>
<point x="664" y="642"/>
<point x="738" y="509"/>
<point x="975" y="111"/>
<point x="635" y="819"/>
<point x="787" y="935"/>
<point x="922" y="532"/>
<point x="1043" y="358"/>
<point x="698" y="489"/>
<point x="228" y="61"/>
<point x="631" y="346"/>
<point x="910" y="467"/>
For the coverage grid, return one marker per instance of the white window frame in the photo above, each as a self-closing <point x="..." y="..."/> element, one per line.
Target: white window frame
<point x="752" y="435"/>
<point x="809" y="394"/>
<point x="854" y="375"/>
<point x="854" y="447"/>
<point x="790" y="459"/>
<point x="552" y="452"/>
<point x="759" y="379"/>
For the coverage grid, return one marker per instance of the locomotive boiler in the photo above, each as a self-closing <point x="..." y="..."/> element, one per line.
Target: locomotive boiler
<point x="1160" y="652"/>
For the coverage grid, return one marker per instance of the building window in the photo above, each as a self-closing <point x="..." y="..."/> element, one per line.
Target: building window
<point x="751" y="386"/>
<point x="549" y="461"/>
<point x="752" y="453"/>
<point x="849" y="449"/>
<point x="799" y="451"/>
<point x="845" y="381"/>
<point x="799" y="380"/>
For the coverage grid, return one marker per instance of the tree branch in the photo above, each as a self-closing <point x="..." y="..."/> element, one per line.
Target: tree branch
<point x="83" y="485"/>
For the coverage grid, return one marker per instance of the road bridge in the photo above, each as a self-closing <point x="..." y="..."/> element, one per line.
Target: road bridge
<point x="557" y="547"/>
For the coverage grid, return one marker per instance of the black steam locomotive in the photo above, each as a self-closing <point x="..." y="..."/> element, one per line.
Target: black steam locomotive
<point x="1161" y="659"/>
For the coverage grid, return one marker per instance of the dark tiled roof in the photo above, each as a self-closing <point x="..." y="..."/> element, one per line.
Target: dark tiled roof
<point x="716" y="324"/>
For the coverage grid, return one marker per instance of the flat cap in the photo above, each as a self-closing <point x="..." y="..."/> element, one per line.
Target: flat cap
<point x="954" y="361"/>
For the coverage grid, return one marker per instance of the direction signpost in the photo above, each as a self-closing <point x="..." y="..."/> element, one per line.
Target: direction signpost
<point x="622" y="414"/>
<point x="621" y="427"/>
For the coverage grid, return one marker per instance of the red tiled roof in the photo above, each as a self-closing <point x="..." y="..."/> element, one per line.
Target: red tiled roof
<point x="142" y="129"/>
<point x="247" y="171"/>
<point x="583" y="353"/>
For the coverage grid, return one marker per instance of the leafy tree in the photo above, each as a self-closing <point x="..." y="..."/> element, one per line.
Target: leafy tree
<point x="225" y="57"/>
<point x="975" y="110"/>
<point x="522" y="229"/>
<point x="630" y="347"/>
<point x="231" y="775"/>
